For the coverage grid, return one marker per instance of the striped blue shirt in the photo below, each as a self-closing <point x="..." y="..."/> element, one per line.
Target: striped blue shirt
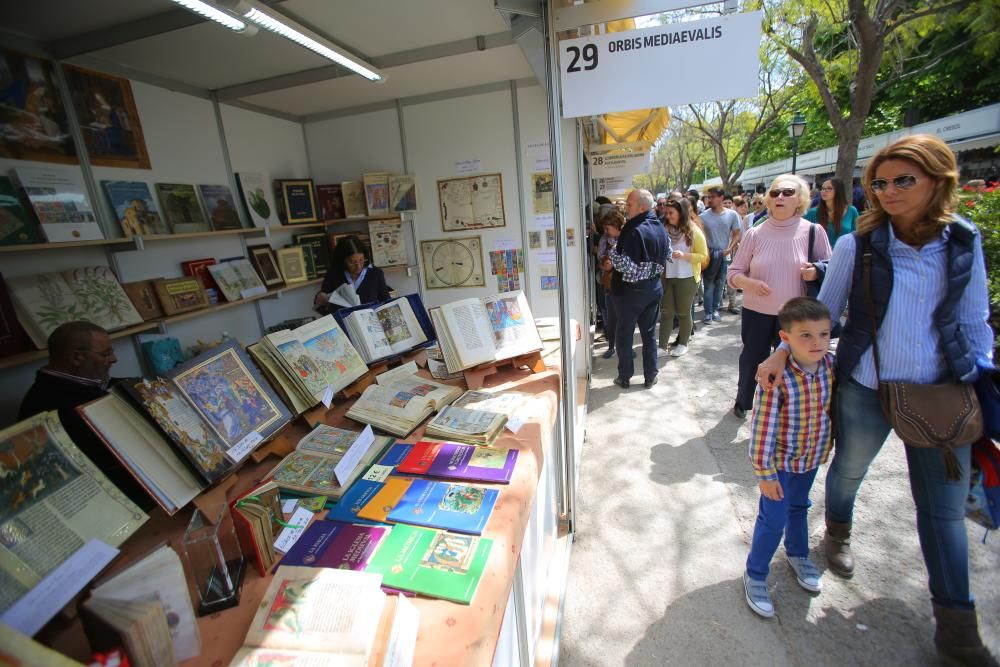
<point x="908" y="340"/>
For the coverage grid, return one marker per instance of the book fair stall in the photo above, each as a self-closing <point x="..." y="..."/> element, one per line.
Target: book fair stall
<point x="284" y="466"/>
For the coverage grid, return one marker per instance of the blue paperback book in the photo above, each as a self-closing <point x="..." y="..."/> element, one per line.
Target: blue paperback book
<point x="346" y="509"/>
<point x="461" y="508"/>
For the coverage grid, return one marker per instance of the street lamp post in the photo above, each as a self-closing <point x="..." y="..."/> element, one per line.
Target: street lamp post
<point x="795" y="130"/>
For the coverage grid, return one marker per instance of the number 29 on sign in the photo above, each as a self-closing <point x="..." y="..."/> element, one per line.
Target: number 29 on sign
<point x="588" y="54"/>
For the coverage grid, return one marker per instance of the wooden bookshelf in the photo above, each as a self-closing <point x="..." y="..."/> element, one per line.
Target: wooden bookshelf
<point x="328" y="223"/>
<point x="29" y="247"/>
<point x="201" y="235"/>
<point x="35" y="355"/>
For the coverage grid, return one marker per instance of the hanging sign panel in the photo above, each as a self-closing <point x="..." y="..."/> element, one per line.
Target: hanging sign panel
<point x="703" y="61"/>
<point x="622" y="160"/>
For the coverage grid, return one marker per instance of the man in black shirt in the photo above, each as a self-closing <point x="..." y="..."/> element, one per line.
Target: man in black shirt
<point x="79" y="371"/>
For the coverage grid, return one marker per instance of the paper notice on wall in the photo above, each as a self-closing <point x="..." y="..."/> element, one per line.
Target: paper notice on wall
<point x="547" y="257"/>
<point x="545" y="221"/>
<point x="537" y="154"/>
<point x="541" y="193"/>
<point x="504" y="244"/>
<point x="613" y="185"/>
<point x="468" y="166"/>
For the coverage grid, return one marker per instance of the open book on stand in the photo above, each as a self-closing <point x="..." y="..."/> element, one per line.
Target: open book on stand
<point x="401" y="404"/>
<point x="492" y="328"/>
<point x="389" y="329"/>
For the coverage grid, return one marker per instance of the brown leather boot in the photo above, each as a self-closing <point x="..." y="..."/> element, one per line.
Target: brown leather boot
<point x="957" y="638"/>
<point x="837" y="546"/>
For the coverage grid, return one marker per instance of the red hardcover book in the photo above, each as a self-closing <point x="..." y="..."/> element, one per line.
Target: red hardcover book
<point x="420" y="458"/>
<point x="331" y="202"/>
<point x="198" y="268"/>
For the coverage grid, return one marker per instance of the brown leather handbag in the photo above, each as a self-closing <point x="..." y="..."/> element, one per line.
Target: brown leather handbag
<point x="944" y="415"/>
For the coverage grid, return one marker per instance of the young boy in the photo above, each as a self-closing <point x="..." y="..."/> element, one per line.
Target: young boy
<point x="790" y="438"/>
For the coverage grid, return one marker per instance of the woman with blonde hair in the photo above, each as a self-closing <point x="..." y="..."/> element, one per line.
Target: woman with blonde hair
<point x="681" y="277"/>
<point x="927" y="288"/>
<point x="771" y="268"/>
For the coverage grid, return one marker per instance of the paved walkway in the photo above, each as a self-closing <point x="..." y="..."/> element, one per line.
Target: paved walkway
<point x="667" y="504"/>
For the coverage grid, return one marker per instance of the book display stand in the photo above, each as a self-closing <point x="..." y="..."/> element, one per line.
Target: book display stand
<point x="475" y="376"/>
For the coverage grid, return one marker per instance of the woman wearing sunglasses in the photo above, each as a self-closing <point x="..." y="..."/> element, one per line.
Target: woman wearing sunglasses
<point x="835" y="213"/>
<point x="770" y="267"/>
<point x="921" y="252"/>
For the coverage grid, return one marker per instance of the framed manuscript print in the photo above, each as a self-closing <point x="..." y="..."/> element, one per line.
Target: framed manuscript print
<point x="293" y="264"/>
<point x="108" y="118"/>
<point x="453" y="262"/>
<point x="471" y="202"/>
<point x="33" y="121"/>
<point x="263" y="260"/>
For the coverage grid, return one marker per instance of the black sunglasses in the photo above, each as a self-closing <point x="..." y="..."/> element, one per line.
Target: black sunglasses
<point x="788" y="192"/>
<point x="904" y="182"/>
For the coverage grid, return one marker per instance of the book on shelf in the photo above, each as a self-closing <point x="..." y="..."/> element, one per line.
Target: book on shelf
<point x="403" y="193"/>
<point x="135" y="208"/>
<point x="452" y="460"/>
<point x="377" y="192"/>
<point x="432" y="562"/>
<point x="491" y="328"/>
<point x="399" y="406"/>
<point x="137" y="626"/>
<point x="320" y="244"/>
<point x="180" y="206"/>
<point x="262" y="258"/>
<point x="331" y="202"/>
<point x="392" y="328"/>
<point x="335" y="544"/>
<point x="369" y="484"/>
<point x="44" y="301"/>
<point x="308" y="259"/>
<point x="459" y="508"/>
<point x="255" y="192"/>
<point x="355" y="204"/>
<point x="13" y="338"/>
<point x="388" y="244"/>
<point x="143" y="297"/>
<point x="180" y="295"/>
<point x="237" y="279"/>
<point x="329" y="613"/>
<point x="257" y="519"/>
<point x="58" y="197"/>
<point x="158" y="576"/>
<point x="317" y="356"/>
<point x="296" y="201"/>
<point x="16" y="226"/>
<point x="312" y="469"/>
<point x="221" y="207"/>
<point x="56" y="500"/>
<point x="292" y="263"/>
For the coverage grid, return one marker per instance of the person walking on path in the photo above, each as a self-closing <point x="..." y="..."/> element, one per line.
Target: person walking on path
<point x="834" y="214"/>
<point x="790" y="437"/>
<point x="681" y="278"/>
<point x="928" y="290"/>
<point x="639" y="253"/>
<point x="770" y="268"/>
<point x="722" y="231"/>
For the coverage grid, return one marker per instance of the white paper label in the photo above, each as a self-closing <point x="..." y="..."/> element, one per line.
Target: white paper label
<point x="239" y="451"/>
<point x="505" y="244"/>
<point x="290" y="535"/>
<point x="328" y="396"/>
<point x="289" y="505"/>
<point x="514" y="424"/>
<point x="252" y="291"/>
<point x="545" y="221"/>
<point x="467" y="166"/>
<point x="353" y="455"/>
<point x="378" y="473"/>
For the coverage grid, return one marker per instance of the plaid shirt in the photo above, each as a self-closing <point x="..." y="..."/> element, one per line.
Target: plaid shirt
<point x="791" y="428"/>
<point x="632" y="272"/>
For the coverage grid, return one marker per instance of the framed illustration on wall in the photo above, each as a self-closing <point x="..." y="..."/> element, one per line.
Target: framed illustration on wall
<point x="453" y="262"/>
<point x="471" y="202"/>
<point x="33" y="122"/>
<point x="108" y="118"/>
<point x="292" y="264"/>
<point x="263" y="260"/>
<point x="296" y="201"/>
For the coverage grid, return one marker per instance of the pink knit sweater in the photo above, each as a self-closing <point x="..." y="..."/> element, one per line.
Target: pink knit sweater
<point x="773" y="252"/>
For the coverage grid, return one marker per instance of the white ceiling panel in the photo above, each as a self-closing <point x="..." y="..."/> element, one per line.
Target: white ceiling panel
<point x="432" y="76"/>
<point x="48" y="20"/>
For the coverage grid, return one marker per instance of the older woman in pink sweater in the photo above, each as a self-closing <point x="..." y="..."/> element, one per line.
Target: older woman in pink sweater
<point x="771" y="266"/>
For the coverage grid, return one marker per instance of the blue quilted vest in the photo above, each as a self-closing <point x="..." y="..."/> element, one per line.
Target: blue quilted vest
<point x="857" y="335"/>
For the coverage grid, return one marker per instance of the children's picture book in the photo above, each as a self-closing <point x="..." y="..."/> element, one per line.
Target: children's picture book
<point x="492" y="328"/>
<point x="342" y="546"/>
<point x="403" y="193"/>
<point x="431" y="562"/>
<point x="59" y="199"/>
<point x="221" y="207"/>
<point x="460" y="508"/>
<point x="355" y="205"/>
<point x="44" y="301"/>
<point x="366" y="486"/>
<point x="135" y="208"/>
<point x="16" y="225"/>
<point x="388" y="244"/>
<point x="331" y="202"/>
<point x="452" y="460"/>
<point x="377" y="192"/>
<point x="180" y="206"/>
<point x="255" y="192"/>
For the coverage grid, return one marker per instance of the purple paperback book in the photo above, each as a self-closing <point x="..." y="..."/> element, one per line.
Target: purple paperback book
<point x="452" y="460"/>
<point x="346" y="546"/>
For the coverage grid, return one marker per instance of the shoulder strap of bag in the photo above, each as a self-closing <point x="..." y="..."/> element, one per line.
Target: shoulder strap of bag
<point x="812" y="238"/>
<point x="866" y="277"/>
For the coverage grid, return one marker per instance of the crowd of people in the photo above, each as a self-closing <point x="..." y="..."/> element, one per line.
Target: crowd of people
<point x="887" y="266"/>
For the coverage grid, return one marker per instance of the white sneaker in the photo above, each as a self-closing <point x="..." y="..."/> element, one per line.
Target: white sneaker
<point x="758" y="597"/>
<point x="662" y="353"/>
<point x="806" y="573"/>
<point x="679" y="351"/>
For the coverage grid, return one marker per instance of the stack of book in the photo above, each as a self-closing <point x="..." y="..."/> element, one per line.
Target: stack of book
<point x="386" y="330"/>
<point x="401" y="404"/>
<point x="476" y="417"/>
<point x="451" y="460"/>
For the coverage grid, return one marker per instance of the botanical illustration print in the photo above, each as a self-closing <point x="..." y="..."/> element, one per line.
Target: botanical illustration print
<point x="32" y="467"/>
<point x="224" y="392"/>
<point x="462" y="498"/>
<point x="394" y="324"/>
<point x="450" y="553"/>
<point x="106" y="303"/>
<point x="184" y="426"/>
<point x="48" y="300"/>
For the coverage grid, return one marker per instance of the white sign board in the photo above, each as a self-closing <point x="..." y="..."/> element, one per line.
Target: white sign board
<point x="613" y="186"/>
<point x="703" y="61"/>
<point x="619" y="160"/>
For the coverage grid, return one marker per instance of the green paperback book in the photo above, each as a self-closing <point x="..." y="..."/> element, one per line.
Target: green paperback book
<point x="432" y="562"/>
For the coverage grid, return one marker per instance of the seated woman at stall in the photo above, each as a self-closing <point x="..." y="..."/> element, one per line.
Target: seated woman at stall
<point x="350" y="264"/>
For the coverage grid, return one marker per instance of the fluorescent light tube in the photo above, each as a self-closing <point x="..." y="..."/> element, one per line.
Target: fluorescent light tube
<point x="283" y="26"/>
<point x="211" y="12"/>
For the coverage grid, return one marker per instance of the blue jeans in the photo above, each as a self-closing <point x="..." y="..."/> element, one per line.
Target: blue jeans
<point x="861" y="429"/>
<point x="714" y="277"/>
<point x="774" y="517"/>
<point x="639" y="305"/>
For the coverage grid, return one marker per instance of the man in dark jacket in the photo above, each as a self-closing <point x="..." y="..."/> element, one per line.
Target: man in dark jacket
<point x="639" y="257"/>
<point x="79" y="371"/>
